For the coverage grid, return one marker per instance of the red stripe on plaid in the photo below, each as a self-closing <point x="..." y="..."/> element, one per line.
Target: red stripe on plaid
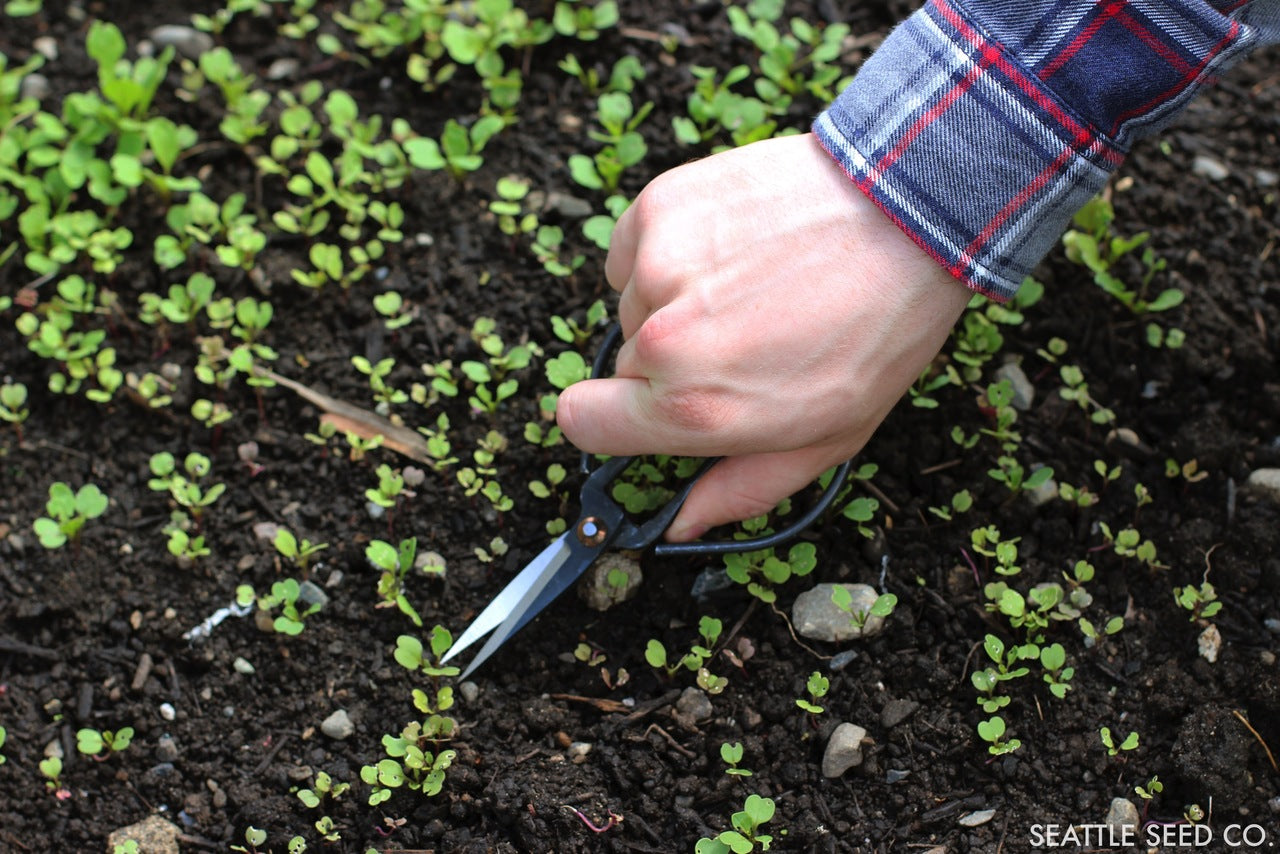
<point x="1158" y="46"/>
<point x="1083" y="139"/>
<point x="1082" y="38"/>
<point x="930" y="115"/>
<point x="1050" y="172"/>
<point x="1187" y="79"/>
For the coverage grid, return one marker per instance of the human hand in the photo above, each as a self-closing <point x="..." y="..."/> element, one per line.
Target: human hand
<point x="771" y="315"/>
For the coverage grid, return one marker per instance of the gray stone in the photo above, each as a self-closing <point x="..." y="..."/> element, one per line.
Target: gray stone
<point x="844" y="750"/>
<point x="599" y="592"/>
<point x="1024" y="393"/>
<point x="977" y="818"/>
<point x="187" y="41"/>
<point x="242" y="666"/>
<point x="841" y="660"/>
<point x="168" y="712"/>
<point x="897" y="711"/>
<point x="283" y="68"/>
<point x="34" y="85"/>
<point x="1042" y="494"/>
<point x="310" y="593"/>
<point x="1265" y="482"/>
<point x="46" y="46"/>
<point x="166" y="749"/>
<point x="693" y="705"/>
<point x="1209" y="644"/>
<point x="816" y="617"/>
<point x="568" y="206"/>
<point x="153" y="834"/>
<point x="1123" y="814"/>
<point x="1266" y="178"/>
<point x="1209" y="167"/>
<point x="469" y="691"/>
<point x="338" y="725"/>
<point x="577" y="752"/>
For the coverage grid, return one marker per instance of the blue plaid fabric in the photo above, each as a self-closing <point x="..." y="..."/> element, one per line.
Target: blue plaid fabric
<point x="981" y="126"/>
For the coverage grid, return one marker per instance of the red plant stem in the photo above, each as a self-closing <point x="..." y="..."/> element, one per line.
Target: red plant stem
<point x="614" y="820"/>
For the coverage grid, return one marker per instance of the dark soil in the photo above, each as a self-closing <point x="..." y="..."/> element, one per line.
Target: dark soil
<point x="79" y="627"/>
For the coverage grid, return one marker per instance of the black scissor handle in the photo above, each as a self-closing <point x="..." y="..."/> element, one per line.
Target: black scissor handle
<point x="644" y="535"/>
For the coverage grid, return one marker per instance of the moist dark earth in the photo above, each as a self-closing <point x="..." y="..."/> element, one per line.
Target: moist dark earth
<point x="93" y="636"/>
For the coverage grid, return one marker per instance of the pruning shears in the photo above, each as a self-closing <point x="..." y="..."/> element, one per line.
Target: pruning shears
<point x="604" y="524"/>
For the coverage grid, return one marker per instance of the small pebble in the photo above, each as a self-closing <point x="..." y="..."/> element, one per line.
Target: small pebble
<point x="166" y="749"/>
<point x="897" y="711"/>
<point x="1024" y="393"/>
<point x="841" y="660"/>
<point x="469" y="691"/>
<point x="1042" y="494"/>
<point x="1209" y="167"/>
<point x="282" y="68"/>
<point x="338" y="725"/>
<point x="844" y="750"/>
<point x="1123" y="814"/>
<point x="693" y="705"/>
<point x="1209" y="643"/>
<point x="1272" y="624"/>
<point x="816" y="617"/>
<point x="1267" y="657"/>
<point x="578" y="751"/>
<point x="153" y="834"/>
<point x="54" y="748"/>
<point x="266" y="531"/>
<point x="187" y="41"/>
<point x="310" y="593"/>
<point x="35" y="85"/>
<point x="242" y="666"/>
<point x="1266" y="178"/>
<point x="978" y="818"/>
<point x="46" y="46"/>
<point x="894" y="775"/>
<point x="167" y="711"/>
<point x="1274" y="804"/>
<point x="1265" y="482"/>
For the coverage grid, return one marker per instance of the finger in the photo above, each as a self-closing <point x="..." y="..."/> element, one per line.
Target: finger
<point x="742" y="487"/>
<point x="621" y="260"/>
<point x="620" y="416"/>
<point x="632" y="311"/>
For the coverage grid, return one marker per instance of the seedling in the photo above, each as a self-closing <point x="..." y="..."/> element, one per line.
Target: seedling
<point x="184" y="488"/>
<point x="411" y="655"/>
<point x="961" y="502"/>
<point x="299" y="552"/>
<point x="13" y="406"/>
<point x="732" y="755"/>
<point x="987" y="542"/>
<point x="1189" y="471"/>
<point x="568" y="330"/>
<point x="395" y="565"/>
<point x="623" y="145"/>
<point x="882" y="607"/>
<point x="1074" y="388"/>
<point x="1150" y="790"/>
<point x="51" y="770"/>
<point x="709" y="629"/>
<point x="284" y="595"/>
<point x="1093" y="245"/>
<point x="993" y="731"/>
<point x="389" y="489"/>
<point x="763" y="570"/>
<point x="1052" y="659"/>
<point x="408" y="765"/>
<point x="3" y="735"/>
<point x="1093" y="635"/>
<point x="745" y="835"/>
<point x="583" y="21"/>
<point x="816" y="686"/>
<point x="622" y="78"/>
<point x="68" y="511"/>
<point x="1130" y="742"/>
<point x="389" y="304"/>
<point x="457" y="150"/>
<point x="92" y="742"/>
<point x="385" y="394"/>
<point x="1128" y="542"/>
<point x="1201" y="602"/>
<point x="323" y="787"/>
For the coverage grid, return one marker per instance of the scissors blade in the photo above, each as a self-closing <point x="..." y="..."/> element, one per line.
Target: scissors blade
<point x="548" y="561"/>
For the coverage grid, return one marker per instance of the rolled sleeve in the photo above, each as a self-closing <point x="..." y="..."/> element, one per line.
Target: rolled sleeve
<point x="982" y="127"/>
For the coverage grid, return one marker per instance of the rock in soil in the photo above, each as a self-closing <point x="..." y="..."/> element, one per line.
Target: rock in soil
<point x="1265" y="482"/>
<point x="154" y="835"/>
<point x="693" y="705"/>
<point x="338" y="725"/>
<point x="1123" y="814"/>
<point x="816" y="617"/>
<point x="611" y="580"/>
<point x="844" y="750"/>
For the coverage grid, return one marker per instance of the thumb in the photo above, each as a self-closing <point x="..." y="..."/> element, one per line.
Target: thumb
<point x="607" y="416"/>
<point x="742" y="487"/>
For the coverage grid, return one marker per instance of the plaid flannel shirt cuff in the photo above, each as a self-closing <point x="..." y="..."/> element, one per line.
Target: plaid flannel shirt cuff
<point x="967" y="151"/>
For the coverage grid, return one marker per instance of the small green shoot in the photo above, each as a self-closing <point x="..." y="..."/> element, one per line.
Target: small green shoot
<point x="68" y="511"/>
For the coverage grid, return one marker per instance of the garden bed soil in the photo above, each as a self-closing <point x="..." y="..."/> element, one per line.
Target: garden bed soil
<point x="94" y="635"/>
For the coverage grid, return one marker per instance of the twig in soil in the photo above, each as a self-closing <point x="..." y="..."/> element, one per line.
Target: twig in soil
<point x="603" y="704"/>
<point x="20" y="648"/>
<point x="796" y="638"/>
<point x="350" y="418"/>
<point x="614" y="820"/>
<point x="879" y="493"/>
<point x="271" y="754"/>
<point x="1270" y="757"/>
<point x="1004" y="832"/>
<point x="941" y="466"/>
<point x="645" y="708"/>
<point x="737" y="627"/>
<point x="677" y="746"/>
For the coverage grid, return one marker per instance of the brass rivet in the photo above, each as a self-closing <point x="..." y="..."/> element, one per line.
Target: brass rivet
<point x="591" y="531"/>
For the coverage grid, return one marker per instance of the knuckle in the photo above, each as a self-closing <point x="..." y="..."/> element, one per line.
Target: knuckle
<point x="698" y="411"/>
